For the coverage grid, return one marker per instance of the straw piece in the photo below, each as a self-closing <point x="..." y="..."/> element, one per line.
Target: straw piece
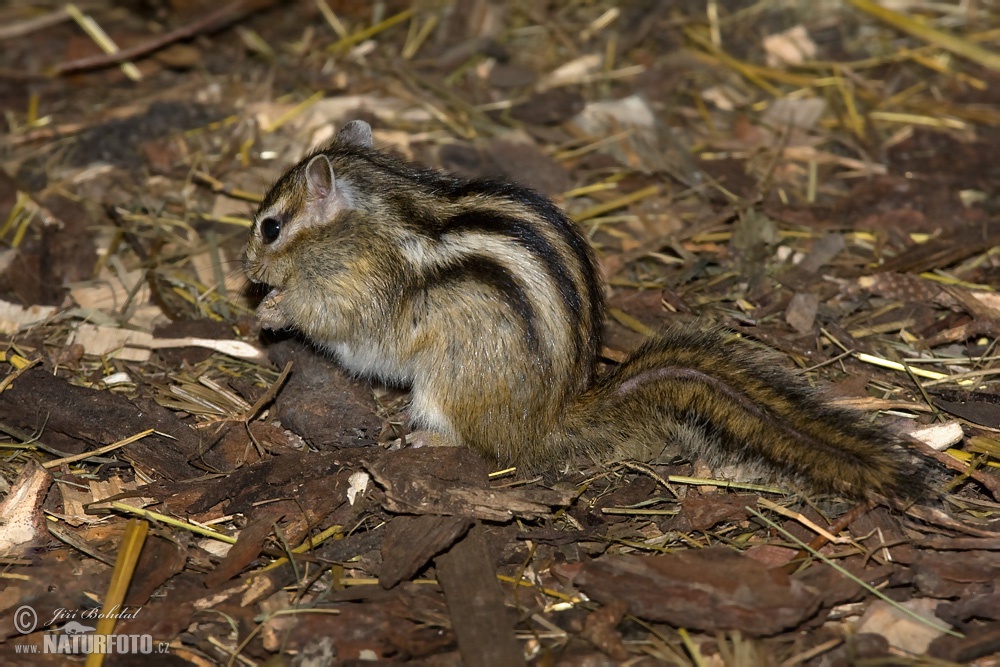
<point x="101" y="38"/>
<point x="945" y="40"/>
<point x="101" y="450"/>
<point x="171" y="521"/>
<point x="362" y="35"/>
<point x="128" y="557"/>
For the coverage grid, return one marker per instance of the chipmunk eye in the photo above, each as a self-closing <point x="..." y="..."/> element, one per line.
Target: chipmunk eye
<point x="270" y="228"/>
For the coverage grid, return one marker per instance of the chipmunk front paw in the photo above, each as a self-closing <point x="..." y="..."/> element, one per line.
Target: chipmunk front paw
<point x="269" y="314"/>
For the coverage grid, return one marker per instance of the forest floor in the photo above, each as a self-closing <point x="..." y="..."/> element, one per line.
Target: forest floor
<point x="822" y="178"/>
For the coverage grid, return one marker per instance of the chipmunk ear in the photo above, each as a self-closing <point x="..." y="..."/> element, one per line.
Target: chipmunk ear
<point x="319" y="177"/>
<point x="325" y="196"/>
<point x="357" y="132"/>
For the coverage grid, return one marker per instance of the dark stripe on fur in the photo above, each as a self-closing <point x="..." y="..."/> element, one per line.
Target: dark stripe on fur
<point x="489" y="272"/>
<point x="529" y="238"/>
<point x="791" y="428"/>
<point x="453" y="188"/>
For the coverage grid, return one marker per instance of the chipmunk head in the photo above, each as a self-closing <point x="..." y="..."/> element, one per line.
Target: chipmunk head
<point x="309" y="195"/>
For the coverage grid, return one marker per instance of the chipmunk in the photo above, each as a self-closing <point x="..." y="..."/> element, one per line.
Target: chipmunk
<point x="487" y="301"/>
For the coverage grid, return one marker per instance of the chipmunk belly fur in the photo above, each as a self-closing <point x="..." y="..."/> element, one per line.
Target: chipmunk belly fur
<point x="486" y="300"/>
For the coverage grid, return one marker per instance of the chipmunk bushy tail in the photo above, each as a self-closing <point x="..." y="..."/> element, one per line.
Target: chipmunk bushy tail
<point x="728" y="401"/>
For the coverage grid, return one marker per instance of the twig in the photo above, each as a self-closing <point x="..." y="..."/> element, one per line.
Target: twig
<point x="820" y="540"/>
<point x="988" y="481"/>
<point x="103" y="60"/>
<point x="102" y="39"/>
<point x="368" y="33"/>
<point x="804" y="520"/>
<point x="22" y="28"/>
<point x="233" y="348"/>
<point x="271" y="392"/>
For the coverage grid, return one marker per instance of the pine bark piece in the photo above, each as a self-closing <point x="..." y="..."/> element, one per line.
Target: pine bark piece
<point x="248" y="545"/>
<point x="161" y="559"/>
<point x="412" y="541"/>
<point x="482" y="625"/>
<point x="66" y="414"/>
<point x="321" y="402"/>
<point x="949" y="248"/>
<point x="978" y="642"/>
<point x="22" y="522"/>
<point x="452" y="481"/>
<point x="709" y="589"/>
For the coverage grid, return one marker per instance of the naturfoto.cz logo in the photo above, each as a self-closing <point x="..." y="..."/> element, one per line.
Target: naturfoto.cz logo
<point x="87" y="644"/>
<point x="75" y="638"/>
